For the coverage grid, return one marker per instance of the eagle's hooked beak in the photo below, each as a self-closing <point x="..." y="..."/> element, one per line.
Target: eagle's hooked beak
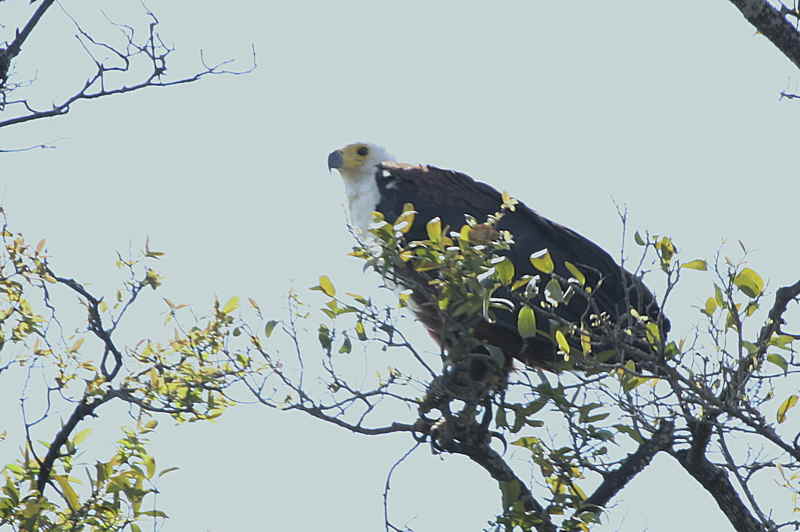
<point x="335" y="160"/>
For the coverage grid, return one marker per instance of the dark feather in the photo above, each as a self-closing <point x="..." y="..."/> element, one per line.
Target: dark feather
<point x="450" y="195"/>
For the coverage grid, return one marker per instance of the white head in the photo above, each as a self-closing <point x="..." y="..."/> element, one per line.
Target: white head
<point x="358" y="160"/>
<point x="358" y="163"/>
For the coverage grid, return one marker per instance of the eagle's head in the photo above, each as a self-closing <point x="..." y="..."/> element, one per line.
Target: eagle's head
<point x="358" y="160"/>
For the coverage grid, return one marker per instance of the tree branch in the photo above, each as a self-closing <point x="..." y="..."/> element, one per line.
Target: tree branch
<point x="615" y="481"/>
<point x="715" y="480"/>
<point x="81" y="411"/>
<point x="16" y="45"/>
<point x="494" y="464"/>
<point x="771" y="23"/>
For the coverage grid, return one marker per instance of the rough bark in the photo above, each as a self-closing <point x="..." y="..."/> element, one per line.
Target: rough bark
<point x="773" y="24"/>
<point x="615" y="481"/>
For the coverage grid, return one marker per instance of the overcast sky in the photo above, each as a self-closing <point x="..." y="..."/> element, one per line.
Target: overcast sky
<point x="670" y="109"/>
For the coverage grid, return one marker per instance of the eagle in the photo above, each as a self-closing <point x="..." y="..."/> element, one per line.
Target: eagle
<point x="375" y="182"/>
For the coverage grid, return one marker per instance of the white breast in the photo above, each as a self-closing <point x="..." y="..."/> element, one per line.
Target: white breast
<point x="362" y="200"/>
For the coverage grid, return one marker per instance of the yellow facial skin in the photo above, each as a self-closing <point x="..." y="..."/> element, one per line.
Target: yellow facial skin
<point x="350" y="158"/>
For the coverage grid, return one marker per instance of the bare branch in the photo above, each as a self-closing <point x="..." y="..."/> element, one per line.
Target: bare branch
<point x="101" y="83"/>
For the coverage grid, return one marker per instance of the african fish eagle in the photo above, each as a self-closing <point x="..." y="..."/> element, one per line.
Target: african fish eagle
<point x="374" y="181"/>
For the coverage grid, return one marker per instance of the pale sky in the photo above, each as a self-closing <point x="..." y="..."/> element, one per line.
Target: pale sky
<point x="669" y="108"/>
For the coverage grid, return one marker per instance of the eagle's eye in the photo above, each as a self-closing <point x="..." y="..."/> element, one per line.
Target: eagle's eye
<point x="362" y="151"/>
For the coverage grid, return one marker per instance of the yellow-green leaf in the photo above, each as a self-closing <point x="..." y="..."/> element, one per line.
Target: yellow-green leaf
<point x="326" y="285"/>
<point x="542" y="261"/>
<point x="781" y="341"/>
<point x="509" y="203"/>
<point x="434" y="229"/>
<point x="504" y="271"/>
<point x="575" y="272"/>
<point x="778" y="360"/>
<point x="666" y="249"/>
<point x="150" y="464"/>
<point x="406" y="219"/>
<point x="711" y="306"/>
<point x="68" y="491"/>
<point x="77" y="345"/>
<point x="697" y="264"/>
<point x="749" y="282"/>
<point x="785" y="406"/>
<point x="586" y="344"/>
<point x="360" y="332"/>
<point x="81" y="436"/>
<point x="231" y="305"/>
<point x="526" y="322"/>
<point x="561" y="340"/>
<point x="528" y="442"/>
<point x="718" y="296"/>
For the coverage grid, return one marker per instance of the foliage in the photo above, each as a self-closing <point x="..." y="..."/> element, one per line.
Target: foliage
<point x="714" y="403"/>
<point x="185" y="377"/>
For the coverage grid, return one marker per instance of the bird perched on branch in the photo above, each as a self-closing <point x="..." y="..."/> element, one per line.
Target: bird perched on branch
<point x="605" y="295"/>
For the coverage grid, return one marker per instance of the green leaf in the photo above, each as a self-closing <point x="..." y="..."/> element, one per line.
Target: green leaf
<point x="711" y="306"/>
<point x="718" y="296"/>
<point x="362" y="334"/>
<point x="434" y="229"/>
<point x="68" y="491"/>
<point x="150" y="464"/>
<point x="528" y="442"/>
<point x="666" y="249"/>
<point x="630" y="431"/>
<point x="586" y="344"/>
<point x="500" y="420"/>
<point x="553" y="291"/>
<point x="406" y="219"/>
<point x="542" y="261"/>
<point x="638" y="239"/>
<point x="324" y="335"/>
<point x="697" y="264"/>
<point x="750" y="347"/>
<point x="526" y="322"/>
<point x="347" y="346"/>
<point x="595" y="418"/>
<point x="561" y="340"/>
<point x="749" y="282"/>
<point x="631" y="382"/>
<point x="326" y="286"/>
<point x="168" y="470"/>
<point x="785" y="406"/>
<point x="269" y="327"/>
<point x="81" y="436"/>
<point x="781" y="341"/>
<point x="231" y="305"/>
<point x="504" y="270"/>
<point x="778" y="360"/>
<point x="575" y="272"/>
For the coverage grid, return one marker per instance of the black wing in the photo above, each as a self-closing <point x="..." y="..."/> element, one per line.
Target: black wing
<point x="450" y="195"/>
